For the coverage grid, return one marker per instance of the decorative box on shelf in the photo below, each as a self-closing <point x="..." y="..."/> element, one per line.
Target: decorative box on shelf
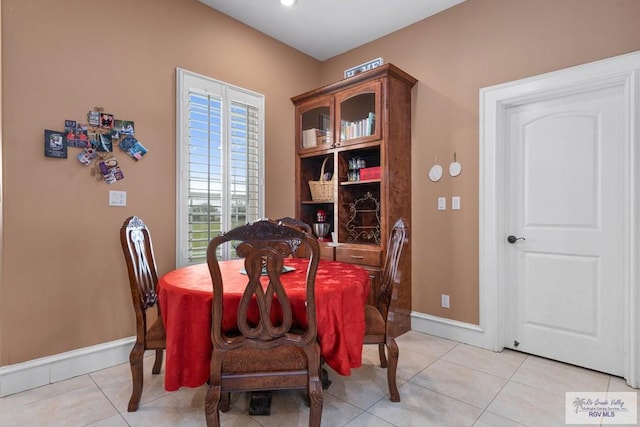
<point x="313" y="137"/>
<point x="370" y="173"/>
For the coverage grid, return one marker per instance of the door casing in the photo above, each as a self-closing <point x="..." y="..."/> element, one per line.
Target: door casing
<point x="494" y="101"/>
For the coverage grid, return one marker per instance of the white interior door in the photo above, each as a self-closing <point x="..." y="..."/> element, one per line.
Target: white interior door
<point x="565" y="196"/>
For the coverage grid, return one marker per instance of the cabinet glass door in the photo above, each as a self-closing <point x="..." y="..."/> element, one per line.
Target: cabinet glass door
<point x="314" y="125"/>
<point x="358" y="114"/>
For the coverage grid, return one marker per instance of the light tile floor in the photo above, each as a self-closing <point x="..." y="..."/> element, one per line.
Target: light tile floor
<point x="441" y="382"/>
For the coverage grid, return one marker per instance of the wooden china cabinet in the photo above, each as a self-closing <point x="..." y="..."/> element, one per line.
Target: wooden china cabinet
<point x="357" y="132"/>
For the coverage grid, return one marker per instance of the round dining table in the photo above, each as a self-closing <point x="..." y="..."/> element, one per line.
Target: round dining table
<point x="185" y="297"/>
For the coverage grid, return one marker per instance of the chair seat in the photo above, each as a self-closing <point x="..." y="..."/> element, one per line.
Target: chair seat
<point x="375" y="324"/>
<point x="249" y="360"/>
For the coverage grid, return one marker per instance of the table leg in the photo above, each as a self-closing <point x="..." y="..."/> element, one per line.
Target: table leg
<point x="260" y="403"/>
<point x="326" y="382"/>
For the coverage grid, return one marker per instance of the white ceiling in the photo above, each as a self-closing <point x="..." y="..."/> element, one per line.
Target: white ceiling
<point x="326" y="28"/>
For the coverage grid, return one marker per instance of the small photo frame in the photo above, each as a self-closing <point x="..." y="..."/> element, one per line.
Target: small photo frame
<point x="128" y="142"/>
<point x="104" y="143"/>
<point x="86" y="156"/>
<point x="77" y="136"/>
<point x="124" y="127"/>
<point x="69" y="131"/>
<point x="133" y="147"/>
<point x="137" y="151"/>
<point x="106" y="120"/>
<point x="93" y="118"/>
<point x="110" y="170"/>
<point x="93" y="138"/>
<point x="55" y="144"/>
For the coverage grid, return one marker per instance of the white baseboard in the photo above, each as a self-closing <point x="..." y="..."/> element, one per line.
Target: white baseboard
<point x="38" y="372"/>
<point x="450" y="329"/>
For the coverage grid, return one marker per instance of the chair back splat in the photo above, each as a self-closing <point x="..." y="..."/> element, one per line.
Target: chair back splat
<point x="296" y="252"/>
<point x="269" y="348"/>
<point x="137" y="248"/>
<point x="390" y="269"/>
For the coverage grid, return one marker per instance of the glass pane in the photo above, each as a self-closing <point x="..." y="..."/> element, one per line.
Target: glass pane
<point x="316" y="127"/>
<point x="357" y="116"/>
<point x="244" y="164"/>
<point x="205" y="174"/>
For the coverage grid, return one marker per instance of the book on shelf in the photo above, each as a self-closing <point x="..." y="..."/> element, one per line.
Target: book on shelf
<point x="358" y="128"/>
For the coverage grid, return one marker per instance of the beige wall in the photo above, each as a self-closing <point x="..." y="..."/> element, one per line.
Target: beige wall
<point x="63" y="284"/>
<point x="453" y="54"/>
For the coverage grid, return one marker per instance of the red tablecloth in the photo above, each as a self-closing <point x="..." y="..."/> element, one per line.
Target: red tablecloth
<point x="186" y="294"/>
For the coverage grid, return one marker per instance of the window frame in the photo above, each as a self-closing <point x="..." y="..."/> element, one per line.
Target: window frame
<point x="187" y="81"/>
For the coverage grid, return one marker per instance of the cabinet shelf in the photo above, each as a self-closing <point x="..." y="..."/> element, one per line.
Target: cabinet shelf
<point x="316" y="202"/>
<point x="362" y="181"/>
<point x="365" y="210"/>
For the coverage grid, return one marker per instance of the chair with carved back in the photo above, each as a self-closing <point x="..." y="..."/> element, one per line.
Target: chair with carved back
<point x="379" y="318"/>
<point x="300" y="225"/>
<point x="143" y="279"/>
<point x="263" y="352"/>
<point x="298" y="252"/>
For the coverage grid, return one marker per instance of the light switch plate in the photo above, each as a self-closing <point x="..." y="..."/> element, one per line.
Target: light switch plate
<point x="455" y="203"/>
<point x="117" y="198"/>
<point x="442" y="203"/>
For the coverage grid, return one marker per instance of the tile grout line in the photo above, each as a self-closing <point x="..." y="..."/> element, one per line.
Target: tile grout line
<point x="500" y="391"/>
<point x="109" y="400"/>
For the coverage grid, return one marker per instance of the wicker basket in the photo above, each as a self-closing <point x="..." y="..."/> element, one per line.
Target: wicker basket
<point x="321" y="190"/>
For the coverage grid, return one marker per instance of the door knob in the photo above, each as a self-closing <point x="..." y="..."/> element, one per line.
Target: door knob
<point x="513" y="239"/>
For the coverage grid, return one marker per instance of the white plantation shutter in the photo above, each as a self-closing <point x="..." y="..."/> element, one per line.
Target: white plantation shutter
<point x="244" y="176"/>
<point x="220" y="160"/>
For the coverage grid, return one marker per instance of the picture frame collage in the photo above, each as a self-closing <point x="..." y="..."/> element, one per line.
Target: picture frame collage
<point x="96" y="140"/>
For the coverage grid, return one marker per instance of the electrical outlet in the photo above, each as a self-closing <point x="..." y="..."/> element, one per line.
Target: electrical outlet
<point x="445" y="301"/>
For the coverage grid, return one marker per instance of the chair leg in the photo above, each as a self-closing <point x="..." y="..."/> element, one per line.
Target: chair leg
<point x="383" y="358"/>
<point x="158" y="363"/>
<point x="315" y="396"/>
<point x="392" y="347"/>
<point x="135" y="360"/>
<point x="211" y="402"/>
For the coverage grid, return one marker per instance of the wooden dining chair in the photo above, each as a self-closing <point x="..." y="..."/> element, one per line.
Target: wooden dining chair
<point x="379" y="318"/>
<point x="143" y="279"/>
<point x="300" y="225"/>
<point x="271" y="348"/>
